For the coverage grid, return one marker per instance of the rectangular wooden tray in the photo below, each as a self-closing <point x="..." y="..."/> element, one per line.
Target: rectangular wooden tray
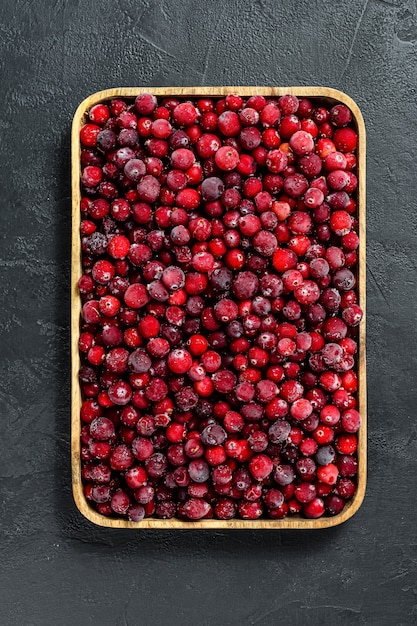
<point x="330" y="96"/>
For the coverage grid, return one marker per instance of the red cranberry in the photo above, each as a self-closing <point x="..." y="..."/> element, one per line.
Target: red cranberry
<point x="352" y="315"/>
<point x="345" y="139"/>
<point x="196" y="508"/>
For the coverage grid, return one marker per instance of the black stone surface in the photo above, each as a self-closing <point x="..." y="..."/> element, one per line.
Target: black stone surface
<point x="55" y="567"/>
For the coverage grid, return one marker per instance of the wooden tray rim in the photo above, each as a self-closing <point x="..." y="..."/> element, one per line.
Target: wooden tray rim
<point x="295" y="523"/>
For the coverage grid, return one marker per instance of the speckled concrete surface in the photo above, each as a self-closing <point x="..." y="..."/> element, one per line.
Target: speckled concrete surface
<point x="55" y="567"/>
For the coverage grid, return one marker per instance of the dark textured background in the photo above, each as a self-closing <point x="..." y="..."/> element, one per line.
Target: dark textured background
<point x="55" y="567"/>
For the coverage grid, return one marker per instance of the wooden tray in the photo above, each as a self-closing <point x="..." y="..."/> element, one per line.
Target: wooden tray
<point x="331" y="97"/>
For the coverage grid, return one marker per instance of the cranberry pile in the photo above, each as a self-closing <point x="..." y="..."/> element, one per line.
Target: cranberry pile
<point x="219" y="308"/>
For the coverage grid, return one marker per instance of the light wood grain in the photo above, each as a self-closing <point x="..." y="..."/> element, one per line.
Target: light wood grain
<point x="331" y="96"/>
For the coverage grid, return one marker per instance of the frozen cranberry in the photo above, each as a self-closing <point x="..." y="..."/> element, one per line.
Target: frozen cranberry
<point x="351" y="421"/>
<point x="345" y="139"/>
<point x="332" y="354"/>
<point x="213" y="435"/>
<point x="186" y="399"/>
<point x="284" y="475"/>
<point x="120" y="393"/>
<point x="212" y="188"/>
<point x="136" y="296"/>
<point x="101" y="428"/>
<point x="301" y="409"/>
<point x="302" y="142"/>
<point x="270" y="114"/>
<point x="226" y="310"/>
<point x="185" y="114"/>
<point x="334" y="329"/>
<point x="101" y="493"/>
<point x="334" y="505"/>
<point x="265" y="243"/>
<point x="260" y="466"/>
<point x="198" y="470"/>
<point x="284" y="259"/>
<point x="307" y="293"/>
<point x="179" y="361"/>
<point x="120" y="502"/>
<point x="145" y="103"/>
<point x="89" y="133"/>
<point x="136" y="513"/>
<point x="227" y="158"/>
<point x="352" y="315"/>
<point x="249" y="138"/>
<point x="313" y="198"/>
<point x="229" y="123"/>
<point x="121" y="458"/>
<point x="196" y="508"/>
<point x="276" y="161"/>
<point x="139" y="361"/>
<point x="189" y="199"/>
<point x="305" y="492"/>
<point x="279" y="431"/>
<point x="314" y="508"/>
<point x="225" y="508"/>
